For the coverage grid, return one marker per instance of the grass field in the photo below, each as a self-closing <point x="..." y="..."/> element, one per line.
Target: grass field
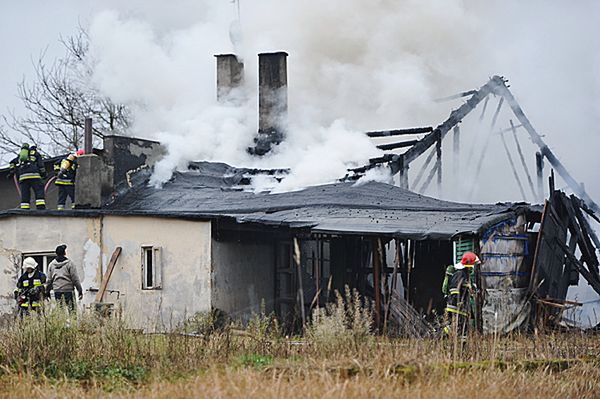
<point x="337" y="357"/>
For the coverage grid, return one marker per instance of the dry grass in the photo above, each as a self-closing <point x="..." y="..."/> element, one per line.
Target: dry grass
<point x="44" y="357"/>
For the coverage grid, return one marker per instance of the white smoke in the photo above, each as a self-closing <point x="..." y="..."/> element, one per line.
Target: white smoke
<point x="355" y="65"/>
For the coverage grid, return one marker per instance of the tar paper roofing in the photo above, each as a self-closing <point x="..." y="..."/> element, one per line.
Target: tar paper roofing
<point x="211" y="190"/>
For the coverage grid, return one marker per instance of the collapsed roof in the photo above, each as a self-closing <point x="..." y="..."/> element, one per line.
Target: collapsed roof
<point x="211" y="190"/>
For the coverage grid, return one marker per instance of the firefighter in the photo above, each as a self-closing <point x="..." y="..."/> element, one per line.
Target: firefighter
<point x="30" y="287"/>
<point x="29" y="168"/>
<point x="459" y="286"/>
<point x="66" y="170"/>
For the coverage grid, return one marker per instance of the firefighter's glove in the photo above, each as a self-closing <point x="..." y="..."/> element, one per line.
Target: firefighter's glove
<point x="80" y="296"/>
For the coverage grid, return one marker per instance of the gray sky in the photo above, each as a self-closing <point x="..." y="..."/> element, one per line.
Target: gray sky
<point x="28" y="28"/>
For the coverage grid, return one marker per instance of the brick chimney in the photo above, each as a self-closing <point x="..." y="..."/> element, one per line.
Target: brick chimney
<point x="272" y="101"/>
<point x="230" y="76"/>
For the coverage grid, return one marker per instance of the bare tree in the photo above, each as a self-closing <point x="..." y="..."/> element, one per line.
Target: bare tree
<point x="57" y="102"/>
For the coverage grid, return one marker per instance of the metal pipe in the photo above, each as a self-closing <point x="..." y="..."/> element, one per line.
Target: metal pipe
<point x="87" y="138"/>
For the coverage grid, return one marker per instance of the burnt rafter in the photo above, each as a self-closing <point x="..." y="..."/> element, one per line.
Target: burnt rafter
<point x="399" y="163"/>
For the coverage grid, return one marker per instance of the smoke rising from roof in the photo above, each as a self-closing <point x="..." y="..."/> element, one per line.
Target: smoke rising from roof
<point x="354" y="66"/>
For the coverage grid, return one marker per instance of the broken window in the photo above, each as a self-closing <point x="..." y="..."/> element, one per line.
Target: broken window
<point x="151" y="268"/>
<point x="43" y="259"/>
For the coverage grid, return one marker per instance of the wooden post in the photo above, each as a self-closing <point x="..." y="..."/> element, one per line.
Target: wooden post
<point x="106" y="277"/>
<point x="377" y="279"/>
<point x="403" y="173"/>
<point x="438" y="150"/>
<point x="539" y="164"/>
<point x="300" y="290"/>
<point x="456" y="149"/>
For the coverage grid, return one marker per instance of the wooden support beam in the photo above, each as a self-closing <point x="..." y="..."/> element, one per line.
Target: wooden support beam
<point x="456" y="149"/>
<point x="484" y="149"/>
<point x="106" y="277"/>
<point x="544" y="149"/>
<point x="455" y="117"/>
<point x="523" y="163"/>
<point x="438" y="151"/>
<point x="404" y="175"/>
<point x="485" y="104"/>
<point x="399" y="132"/>
<point x="377" y="262"/>
<point x="539" y="166"/>
<point x="424" y="167"/>
<point x="514" y="169"/>
<point x="432" y="173"/>
<point x="401" y="144"/>
<point x="580" y="268"/>
<point x="300" y="292"/>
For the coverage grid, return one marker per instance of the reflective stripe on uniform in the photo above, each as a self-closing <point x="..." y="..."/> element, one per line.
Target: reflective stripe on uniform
<point x="40" y="202"/>
<point x="24" y="205"/>
<point x="60" y="207"/>
<point x="454" y="309"/>
<point x="27" y="176"/>
<point x="62" y="182"/>
<point x="454" y="291"/>
<point x="37" y="282"/>
<point x="25" y="283"/>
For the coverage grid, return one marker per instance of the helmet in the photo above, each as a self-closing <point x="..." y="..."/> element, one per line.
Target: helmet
<point x="71" y="157"/>
<point x="80" y="152"/>
<point x="470" y="259"/>
<point x="29" y="263"/>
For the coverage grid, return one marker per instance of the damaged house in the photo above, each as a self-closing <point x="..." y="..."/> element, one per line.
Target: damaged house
<point x="203" y="241"/>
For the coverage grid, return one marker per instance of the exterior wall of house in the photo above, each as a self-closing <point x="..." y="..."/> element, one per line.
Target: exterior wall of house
<point x="185" y="260"/>
<point x="40" y="234"/>
<point x="243" y="277"/>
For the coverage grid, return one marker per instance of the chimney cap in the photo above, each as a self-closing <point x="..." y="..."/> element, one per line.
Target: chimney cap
<point x="274" y="53"/>
<point x="226" y="55"/>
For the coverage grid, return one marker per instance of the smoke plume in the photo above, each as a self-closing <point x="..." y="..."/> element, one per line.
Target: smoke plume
<point x="356" y="66"/>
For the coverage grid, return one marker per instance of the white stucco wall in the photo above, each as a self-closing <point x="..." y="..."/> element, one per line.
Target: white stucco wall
<point x="243" y="277"/>
<point x="185" y="247"/>
<point x="186" y="261"/>
<point x="27" y="234"/>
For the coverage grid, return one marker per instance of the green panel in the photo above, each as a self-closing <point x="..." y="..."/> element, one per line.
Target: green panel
<point x="461" y="246"/>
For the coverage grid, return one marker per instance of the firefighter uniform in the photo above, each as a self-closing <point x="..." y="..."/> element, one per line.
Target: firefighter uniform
<point x="65" y="180"/>
<point x="458" y="306"/>
<point x="30" y="288"/>
<point x="459" y="287"/>
<point x="30" y="170"/>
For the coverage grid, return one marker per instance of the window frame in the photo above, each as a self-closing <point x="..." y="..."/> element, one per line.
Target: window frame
<point x="156" y="267"/>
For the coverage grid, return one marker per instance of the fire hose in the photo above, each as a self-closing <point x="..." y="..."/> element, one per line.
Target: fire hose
<point x="17" y="185"/>
<point x="48" y="183"/>
<point x="50" y="180"/>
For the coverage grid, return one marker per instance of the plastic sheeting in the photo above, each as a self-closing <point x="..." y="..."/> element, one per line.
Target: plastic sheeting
<point x="505" y="276"/>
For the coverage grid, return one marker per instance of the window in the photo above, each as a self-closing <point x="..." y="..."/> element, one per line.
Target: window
<point x="43" y="259"/>
<point x="462" y="245"/>
<point x="151" y="268"/>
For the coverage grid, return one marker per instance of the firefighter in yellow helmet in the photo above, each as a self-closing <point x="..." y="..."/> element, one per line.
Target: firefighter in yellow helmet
<point x="66" y="170"/>
<point x="30" y="170"/>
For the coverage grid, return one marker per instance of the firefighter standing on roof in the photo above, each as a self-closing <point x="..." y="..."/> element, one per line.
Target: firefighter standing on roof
<point x="30" y="170"/>
<point x="65" y="179"/>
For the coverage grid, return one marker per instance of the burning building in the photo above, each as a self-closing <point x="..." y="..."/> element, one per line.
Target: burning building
<point x="203" y="241"/>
